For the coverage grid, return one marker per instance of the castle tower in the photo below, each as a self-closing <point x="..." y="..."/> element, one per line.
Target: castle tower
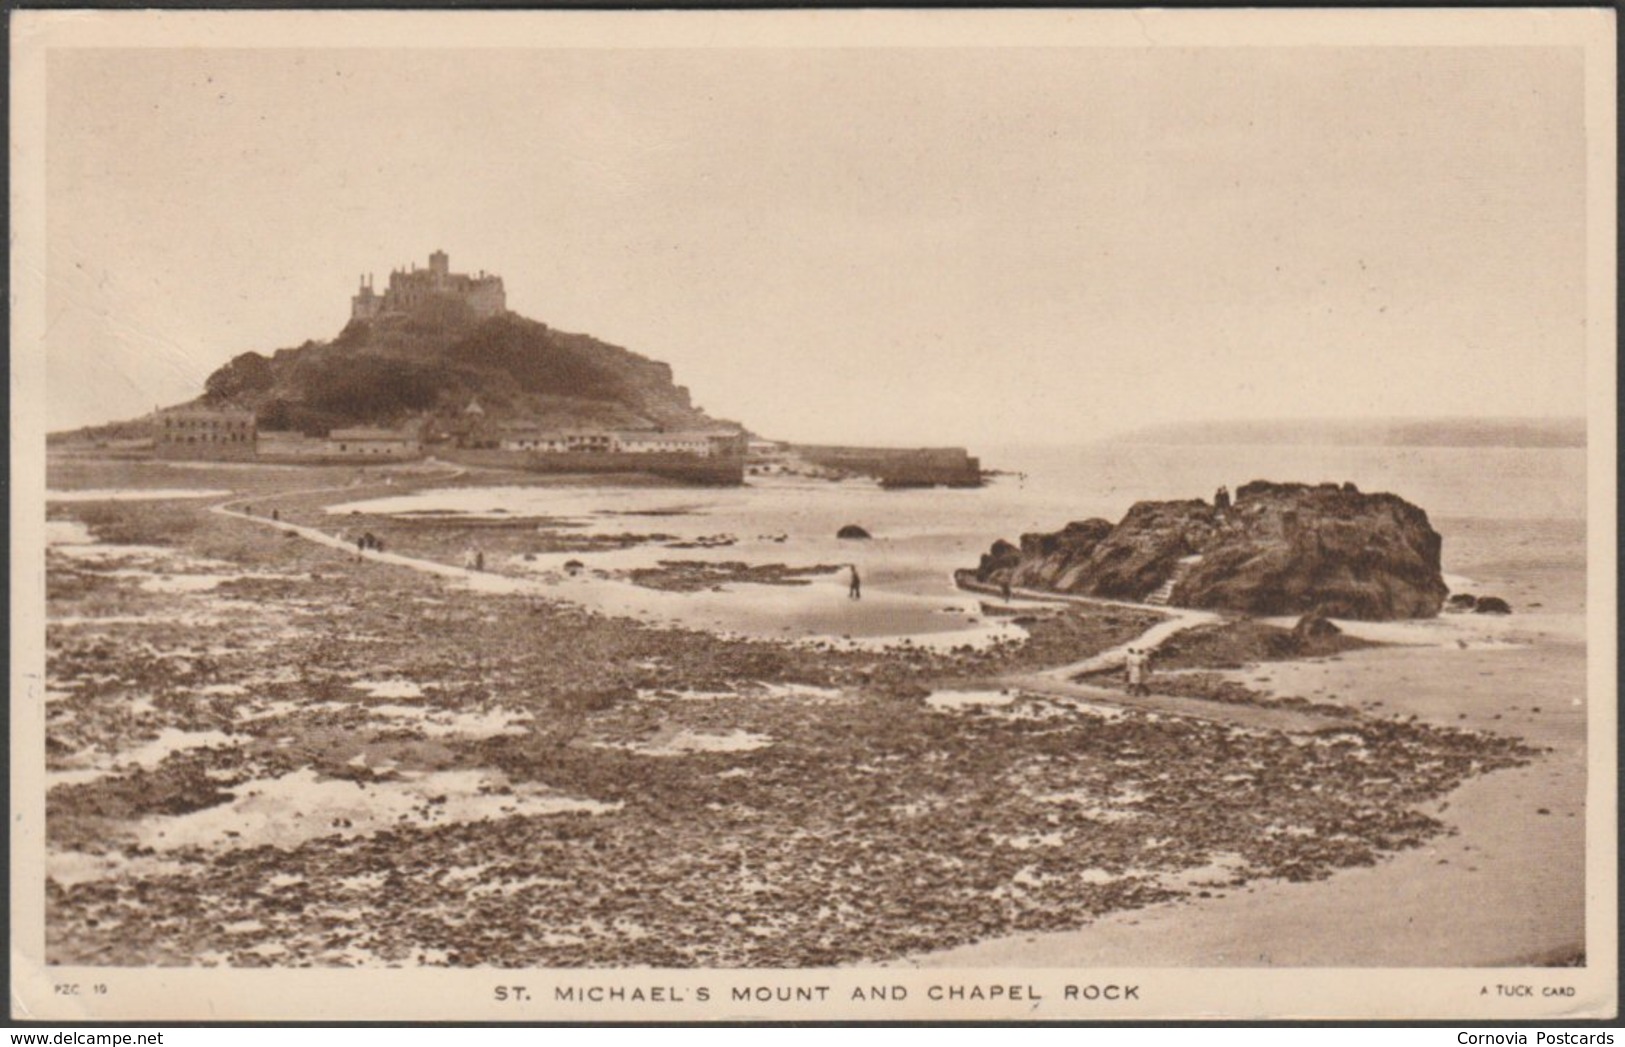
<point x="440" y="264"/>
<point x="365" y="305"/>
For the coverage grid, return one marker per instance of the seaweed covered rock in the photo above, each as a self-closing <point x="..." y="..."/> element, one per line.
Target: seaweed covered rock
<point x="1313" y="627"/>
<point x="852" y="532"/>
<point x="1316" y="635"/>
<point x="998" y="562"/>
<point x="1051" y="560"/>
<point x="1279" y="549"/>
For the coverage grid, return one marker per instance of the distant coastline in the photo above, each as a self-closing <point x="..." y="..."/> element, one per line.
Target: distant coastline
<point x="1376" y="432"/>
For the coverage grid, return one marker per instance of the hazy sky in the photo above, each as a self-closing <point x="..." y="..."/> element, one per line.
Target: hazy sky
<point x="934" y="246"/>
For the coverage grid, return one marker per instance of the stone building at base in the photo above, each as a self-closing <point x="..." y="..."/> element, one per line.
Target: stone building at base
<point x="371" y="444"/>
<point x="205" y="433"/>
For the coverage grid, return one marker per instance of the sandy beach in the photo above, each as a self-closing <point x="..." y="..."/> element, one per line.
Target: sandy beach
<point x="253" y="732"/>
<point x="1503" y="887"/>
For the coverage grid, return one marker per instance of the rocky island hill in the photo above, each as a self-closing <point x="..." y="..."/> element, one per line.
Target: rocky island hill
<point x="1279" y="549"/>
<point x="436" y="362"/>
<point x="417" y="354"/>
<point x="431" y="355"/>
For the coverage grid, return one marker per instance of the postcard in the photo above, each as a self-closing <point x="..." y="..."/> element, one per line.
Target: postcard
<point x="813" y="515"/>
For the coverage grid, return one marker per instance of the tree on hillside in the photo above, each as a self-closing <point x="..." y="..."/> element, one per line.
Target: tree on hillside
<point x="248" y="373"/>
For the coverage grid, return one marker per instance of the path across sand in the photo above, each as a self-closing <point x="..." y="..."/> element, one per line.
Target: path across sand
<point x="1060" y="683"/>
<point x="1177" y="620"/>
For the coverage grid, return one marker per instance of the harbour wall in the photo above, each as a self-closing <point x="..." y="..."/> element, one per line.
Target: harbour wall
<point x="899" y="466"/>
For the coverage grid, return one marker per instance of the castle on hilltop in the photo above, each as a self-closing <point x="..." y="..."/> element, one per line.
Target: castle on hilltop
<point x="412" y="287"/>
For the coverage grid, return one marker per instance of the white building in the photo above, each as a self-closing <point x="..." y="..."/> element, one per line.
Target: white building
<point x="697" y="444"/>
<point x="557" y="440"/>
<point x="534" y="440"/>
<point x="373" y="443"/>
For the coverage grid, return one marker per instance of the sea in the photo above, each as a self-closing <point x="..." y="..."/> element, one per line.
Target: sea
<point x="1513" y="522"/>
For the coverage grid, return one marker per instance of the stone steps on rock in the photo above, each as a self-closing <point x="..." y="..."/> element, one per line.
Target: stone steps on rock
<point x="1163" y="593"/>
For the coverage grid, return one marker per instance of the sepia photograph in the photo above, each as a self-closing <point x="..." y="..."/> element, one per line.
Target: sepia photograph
<point x="813" y="515"/>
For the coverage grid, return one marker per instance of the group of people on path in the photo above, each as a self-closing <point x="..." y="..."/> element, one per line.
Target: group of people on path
<point x="364" y="542"/>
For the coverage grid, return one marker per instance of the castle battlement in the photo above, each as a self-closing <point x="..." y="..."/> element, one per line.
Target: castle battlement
<point x="413" y="286"/>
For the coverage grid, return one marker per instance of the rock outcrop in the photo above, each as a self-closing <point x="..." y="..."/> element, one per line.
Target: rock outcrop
<point x="1463" y="603"/>
<point x="1313" y="628"/>
<point x="1279" y="549"/>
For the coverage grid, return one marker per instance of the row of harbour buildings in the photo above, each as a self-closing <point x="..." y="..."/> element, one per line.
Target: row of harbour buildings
<point x="231" y="434"/>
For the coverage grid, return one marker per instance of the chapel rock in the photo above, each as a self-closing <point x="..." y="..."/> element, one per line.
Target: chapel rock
<point x="1279" y="549"/>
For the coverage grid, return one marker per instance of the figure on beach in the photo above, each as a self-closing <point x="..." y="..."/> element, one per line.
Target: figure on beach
<point x="276" y="515"/>
<point x="855" y="592"/>
<point x="360" y="546"/>
<point x="474" y="558"/>
<point x="1137" y="666"/>
<point x="1006" y="588"/>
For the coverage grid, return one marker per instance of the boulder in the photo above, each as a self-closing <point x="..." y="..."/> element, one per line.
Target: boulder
<point x="1491" y="605"/>
<point x="852" y="531"/>
<point x="998" y="562"/>
<point x="1462" y="602"/>
<point x="1281" y="549"/>
<point x="1312" y="627"/>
